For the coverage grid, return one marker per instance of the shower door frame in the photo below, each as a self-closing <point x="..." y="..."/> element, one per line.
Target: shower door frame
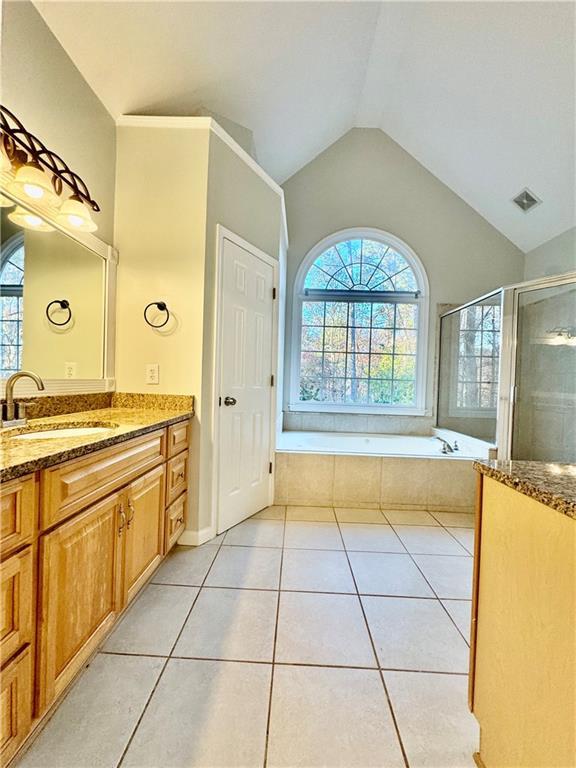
<point x="507" y="388"/>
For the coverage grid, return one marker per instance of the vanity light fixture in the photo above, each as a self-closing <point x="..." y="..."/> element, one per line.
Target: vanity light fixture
<point x="6" y="202"/>
<point x="30" y="170"/>
<point x="29" y="220"/>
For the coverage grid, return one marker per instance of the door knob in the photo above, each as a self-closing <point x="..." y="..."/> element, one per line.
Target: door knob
<point x="229" y="401"/>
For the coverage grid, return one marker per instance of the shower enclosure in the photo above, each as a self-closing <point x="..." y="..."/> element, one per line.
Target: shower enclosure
<point x="507" y="372"/>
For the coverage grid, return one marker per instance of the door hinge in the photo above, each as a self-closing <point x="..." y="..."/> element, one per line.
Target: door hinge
<point x="220" y="401"/>
<point x="270" y="468"/>
<point x="273" y="293"/>
<point x="272" y="380"/>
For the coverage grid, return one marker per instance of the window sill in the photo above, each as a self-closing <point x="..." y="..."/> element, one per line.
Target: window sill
<point x="383" y="410"/>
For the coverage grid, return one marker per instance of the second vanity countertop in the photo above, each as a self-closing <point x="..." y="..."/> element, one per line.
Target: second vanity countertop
<point x="551" y="484"/>
<point x="21" y="457"/>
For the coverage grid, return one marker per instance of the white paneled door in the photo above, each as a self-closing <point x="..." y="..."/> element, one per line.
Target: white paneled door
<point x="245" y="397"/>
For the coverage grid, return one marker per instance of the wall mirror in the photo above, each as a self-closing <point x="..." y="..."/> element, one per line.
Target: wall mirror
<point x="55" y="301"/>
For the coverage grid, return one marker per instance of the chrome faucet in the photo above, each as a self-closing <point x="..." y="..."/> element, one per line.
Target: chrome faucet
<point x="14" y="414"/>
<point x="446" y="447"/>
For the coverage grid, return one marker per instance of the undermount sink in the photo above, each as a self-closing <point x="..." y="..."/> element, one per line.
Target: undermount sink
<point x="51" y="434"/>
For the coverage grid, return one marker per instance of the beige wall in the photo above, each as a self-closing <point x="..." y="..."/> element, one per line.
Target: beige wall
<point x="58" y="267"/>
<point x="555" y="257"/>
<point x="366" y="179"/>
<point x="41" y="85"/>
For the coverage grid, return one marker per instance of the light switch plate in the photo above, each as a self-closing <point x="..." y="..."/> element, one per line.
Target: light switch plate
<point x="152" y="373"/>
<point x="70" y="370"/>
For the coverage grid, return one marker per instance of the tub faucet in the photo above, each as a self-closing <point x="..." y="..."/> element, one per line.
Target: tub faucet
<point x="446" y="447"/>
<point x="14" y="414"/>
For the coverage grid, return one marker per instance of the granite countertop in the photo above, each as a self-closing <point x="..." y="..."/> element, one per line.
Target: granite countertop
<point x="551" y="484"/>
<point x="20" y="457"/>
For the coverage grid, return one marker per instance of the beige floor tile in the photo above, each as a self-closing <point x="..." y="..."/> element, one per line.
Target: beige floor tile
<point x="322" y="629"/>
<point x="204" y="714"/>
<point x="356" y="515"/>
<point x="409" y="517"/>
<point x="256" y="533"/>
<point x="370" y="538"/>
<point x="94" y="723"/>
<point x="302" y="535"/>
<point x="410" y="633"/>
<point x="461" y="612"/>
<point x="316" y="571"/>
<point x="311" y="514"/>
<point x="248" y="567"/>
<point x="455" y="519"/>
<point x="428" y="540"/>
<point x="431" y="710"/>
<point x="465" y="536"/>
<point x="275" y="512"/>
<point x="151" y="625"/>
<point x="230" y="624"/>
<point x="449" y="575"/>
<point x="388" y="574"/>
<point x="311" y="726"/>
<point x="186" y="565"/>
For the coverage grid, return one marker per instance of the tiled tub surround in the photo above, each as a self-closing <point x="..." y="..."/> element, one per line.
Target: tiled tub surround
<point x="19" y="457"/>
<point x="305" y="636"/>
<point x="443" y="484"/>
<point x="551" y="484"/>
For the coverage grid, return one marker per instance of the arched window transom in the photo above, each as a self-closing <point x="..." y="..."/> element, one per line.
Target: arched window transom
<point x="360" y="320"/>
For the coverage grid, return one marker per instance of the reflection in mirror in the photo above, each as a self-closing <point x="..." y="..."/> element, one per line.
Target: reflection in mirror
<point x="37" y="268"/>
<point x="469" y="368"/>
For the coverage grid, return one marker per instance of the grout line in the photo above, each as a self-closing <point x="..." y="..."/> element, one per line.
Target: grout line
<point x="268" y="719"/>
<point x="156" y="684"/>
<point x="386" y="693"/>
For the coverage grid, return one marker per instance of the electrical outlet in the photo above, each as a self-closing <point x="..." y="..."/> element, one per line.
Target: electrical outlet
<point x="152" y="373"/>
<point x="70" y="370"/>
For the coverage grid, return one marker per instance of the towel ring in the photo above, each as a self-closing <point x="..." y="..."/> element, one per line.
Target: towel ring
<point x="63" y="304"/>
<point x="161" y="306"/>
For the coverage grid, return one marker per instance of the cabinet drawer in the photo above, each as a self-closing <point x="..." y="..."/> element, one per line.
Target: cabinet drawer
<point x="175" y="522"/>
<point x="19" y="502"/>
<point x="15" y="704"/>
<point x="16" y="577"/>
<point x="178" y="438"/>
<point x="176" y="476"/>
<point x="69" y="487"/>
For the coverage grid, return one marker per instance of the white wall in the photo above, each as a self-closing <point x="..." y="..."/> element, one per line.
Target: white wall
<point x="41" y="85"/>
<point x="366" y="179"/>
<point x="555" y="257"/>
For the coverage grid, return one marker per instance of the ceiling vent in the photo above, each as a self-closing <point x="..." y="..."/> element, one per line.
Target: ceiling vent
<point x="526" y="200"/>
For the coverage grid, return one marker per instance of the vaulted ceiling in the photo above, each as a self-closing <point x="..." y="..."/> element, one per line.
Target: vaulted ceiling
<point x="481" y="93"/>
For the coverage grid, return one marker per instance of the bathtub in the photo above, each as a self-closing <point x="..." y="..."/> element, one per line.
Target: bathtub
<point x="349" y="444"/>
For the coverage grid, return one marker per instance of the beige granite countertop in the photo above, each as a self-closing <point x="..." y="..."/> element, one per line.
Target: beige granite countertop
<point x="551" y="484"/>
<point x="20" y="457"/>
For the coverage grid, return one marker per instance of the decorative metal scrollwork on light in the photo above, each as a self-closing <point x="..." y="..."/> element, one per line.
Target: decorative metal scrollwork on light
<point x="64" y="304"/>
<point x="161" y="306"/>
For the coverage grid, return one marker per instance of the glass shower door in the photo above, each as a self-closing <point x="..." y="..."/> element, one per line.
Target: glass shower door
<point x="544" y="411"/>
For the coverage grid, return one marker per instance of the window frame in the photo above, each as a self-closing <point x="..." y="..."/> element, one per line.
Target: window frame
<point x="422" y="301"/>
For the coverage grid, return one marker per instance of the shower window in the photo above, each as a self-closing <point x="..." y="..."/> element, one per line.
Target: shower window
<point x="11" y="305"/>
<point x="361" y="319"/>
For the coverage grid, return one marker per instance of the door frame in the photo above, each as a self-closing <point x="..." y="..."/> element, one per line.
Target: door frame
<point x="222" y="234"/>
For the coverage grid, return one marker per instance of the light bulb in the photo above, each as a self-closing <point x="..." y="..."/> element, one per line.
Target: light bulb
<point x="29" y="220"/>
<point x="32" y="182"/>
<point x="76" y="215"/>
<point x="6" y="202"/>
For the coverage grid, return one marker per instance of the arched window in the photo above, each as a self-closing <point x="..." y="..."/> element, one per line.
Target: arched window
<point x="360" y="326"/>
<point x="11" y="304"/>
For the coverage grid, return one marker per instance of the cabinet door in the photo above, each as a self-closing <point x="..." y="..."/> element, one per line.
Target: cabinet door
<point x="15" y="704"/>
<point x="80" y="582"/>
<point x="144" y="529"/>
<point x="17" y="603"/>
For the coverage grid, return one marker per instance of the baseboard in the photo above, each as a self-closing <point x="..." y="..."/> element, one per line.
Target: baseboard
<point x="195" y="538"/>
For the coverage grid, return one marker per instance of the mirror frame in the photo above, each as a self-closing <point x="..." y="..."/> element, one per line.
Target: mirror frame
<point x="109" y="256"/>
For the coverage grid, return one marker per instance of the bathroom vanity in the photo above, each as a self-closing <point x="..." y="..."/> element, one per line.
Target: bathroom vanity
<point x="523" y="644"/>
<point x="86" y="520"/>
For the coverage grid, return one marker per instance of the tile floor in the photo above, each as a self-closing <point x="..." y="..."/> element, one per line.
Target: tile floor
<point x="306" y="636"/>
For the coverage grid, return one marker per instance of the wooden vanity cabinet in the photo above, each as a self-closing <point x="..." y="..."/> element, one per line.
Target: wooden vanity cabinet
<point x="81" y="591"/>
<point x="144" y="547"/>
<point x="15" y="703"/>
